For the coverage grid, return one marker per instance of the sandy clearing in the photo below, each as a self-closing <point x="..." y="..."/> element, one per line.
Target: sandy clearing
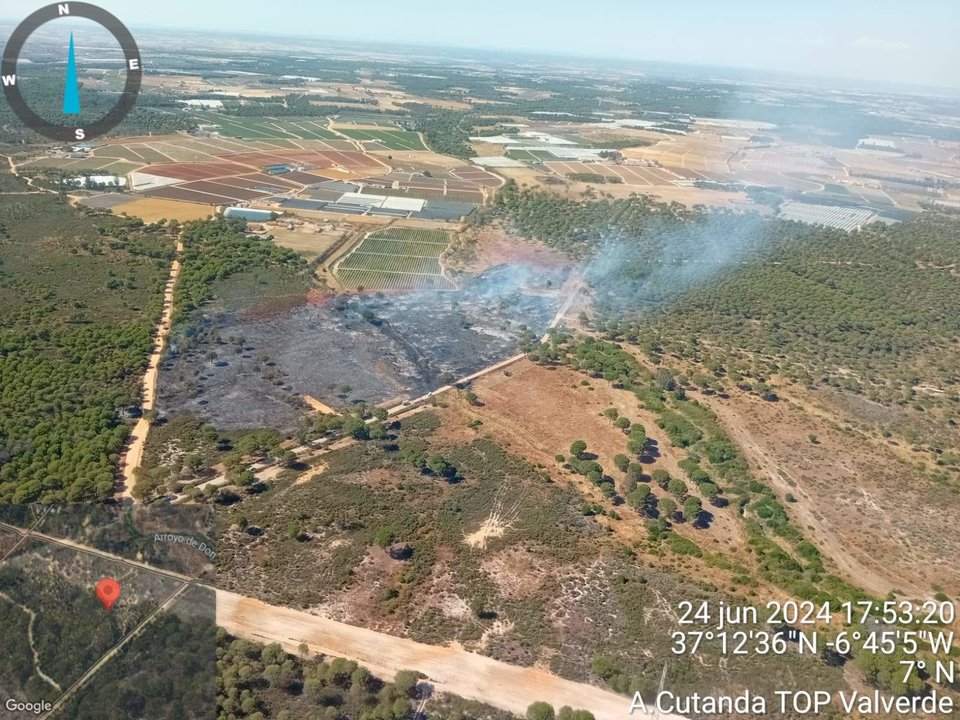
<point x="133" y="457"/>
<point x="153" y="209"/>
<point x="496" y="524"/>
<point x="449" y="669"/>
<point x="318" y="406"/>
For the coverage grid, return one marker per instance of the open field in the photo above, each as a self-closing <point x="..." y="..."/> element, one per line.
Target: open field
<point x="879" y="179"/>
<point x="269" y="128"/>
<point x="310" y="240"/>
<point x="386" y="139"/>
<point x="715" y="152"/>
<point x="234" y="177"/>
<point x="626" y="174"/>
<point x="397" y="259"/>
<point x="153" y="209"/>
<point x="114" y="165"/>
<point x="540" y="411"/>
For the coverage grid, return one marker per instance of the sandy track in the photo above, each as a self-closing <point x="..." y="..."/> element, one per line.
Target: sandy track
<point x="133" y="457"/>
<point x="449" y="669"/>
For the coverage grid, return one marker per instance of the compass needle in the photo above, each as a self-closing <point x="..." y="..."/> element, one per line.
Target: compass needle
<point x="71" y="126"/>
<point x="71" y="88"/>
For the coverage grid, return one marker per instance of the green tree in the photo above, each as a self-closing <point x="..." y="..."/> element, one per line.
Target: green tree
<point x="668" y="508"/>
<point x="639" y="497"/>
<point x="405" y="681"/>
<point x="692" y="507"/>
<point x="540" y="711"/>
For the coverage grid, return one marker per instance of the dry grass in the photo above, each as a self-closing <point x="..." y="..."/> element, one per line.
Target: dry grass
<point x="858" y="498"/>
<point x="153" y="209"/>
<point x="538" y="412"/>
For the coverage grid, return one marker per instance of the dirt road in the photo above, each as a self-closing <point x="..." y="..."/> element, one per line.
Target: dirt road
<point x="449" y="669"/>
<point x="133" y="457"/>
<point x="37" y="668"/>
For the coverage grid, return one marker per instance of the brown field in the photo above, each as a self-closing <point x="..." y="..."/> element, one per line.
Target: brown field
<point x="305" y="178"/>
<point x="478" y="176"/>
<point x="231" y="177"/>
<point x="223" y="190"/>
<point x="177" y="192"/>
<point x="418" y="158"/>
<point x="867" y="507"/>
<point x="196" y="171"/>
<point x="668" y="193"/>
<point x="153" y="209"/>
<point x="530" y="176"/>
<point x="120" y="166"/>
<point x="268" y="181"/>
<point x="483" y="149"/>
<point x="634" y="175"/>
<point x="538" y="412"/>
<point x="852" y="489"/>
<point x="308" y="240"/>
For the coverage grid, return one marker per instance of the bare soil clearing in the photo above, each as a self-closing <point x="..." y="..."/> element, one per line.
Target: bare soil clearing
<point x="448" y="669"/>
<point x="153" y="209"/>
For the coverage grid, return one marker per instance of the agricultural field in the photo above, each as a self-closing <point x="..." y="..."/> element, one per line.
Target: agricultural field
<point x="154" y="209"/>
<point x="397" y="259"/>
<point x="113" y="165"/>
<point x="269" y="128"/>
<point x="388" y="139"/>
<point x="529" y="155"/>
<point x="361" y="118"/>
<point x="626" y="174"/>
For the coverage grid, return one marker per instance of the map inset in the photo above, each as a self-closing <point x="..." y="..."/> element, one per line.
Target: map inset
<point x="151" y="654"/>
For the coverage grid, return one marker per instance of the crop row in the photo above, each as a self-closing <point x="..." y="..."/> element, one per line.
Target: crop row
<point x="376" y="280"/>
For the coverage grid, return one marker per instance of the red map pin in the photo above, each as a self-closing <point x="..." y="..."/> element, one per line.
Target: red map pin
<point x="108" y="592"/>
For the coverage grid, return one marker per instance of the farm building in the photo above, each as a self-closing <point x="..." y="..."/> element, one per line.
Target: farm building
<point x="248" y="214"/>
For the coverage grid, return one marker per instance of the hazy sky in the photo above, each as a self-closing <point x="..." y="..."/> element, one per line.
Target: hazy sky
<point x="900" y="41"/>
